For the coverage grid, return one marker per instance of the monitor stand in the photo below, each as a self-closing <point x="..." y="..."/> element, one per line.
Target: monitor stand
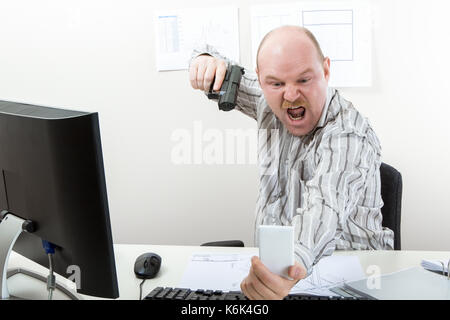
<point x="11" y="227"/>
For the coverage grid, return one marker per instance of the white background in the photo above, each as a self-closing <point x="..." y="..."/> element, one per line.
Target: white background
<point x="99" y="56"/>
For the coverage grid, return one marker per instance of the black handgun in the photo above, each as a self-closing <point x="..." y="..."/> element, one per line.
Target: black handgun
<point x="227" y="94"/>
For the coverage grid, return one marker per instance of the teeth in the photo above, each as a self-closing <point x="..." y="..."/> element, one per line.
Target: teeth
<point x="294" y="118"/>
<point x="302" y="114"/>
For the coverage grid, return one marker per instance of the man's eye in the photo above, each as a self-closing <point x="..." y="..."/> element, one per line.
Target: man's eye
<point x="304" y="80"/>
<point x="276" y="84"/>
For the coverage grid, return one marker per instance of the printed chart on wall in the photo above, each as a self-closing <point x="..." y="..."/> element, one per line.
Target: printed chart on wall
<point x="179" y="31"/>
<point x="343" y="30"/>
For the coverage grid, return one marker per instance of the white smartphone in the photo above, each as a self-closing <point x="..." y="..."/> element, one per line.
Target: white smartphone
<point x="276" y="248"/>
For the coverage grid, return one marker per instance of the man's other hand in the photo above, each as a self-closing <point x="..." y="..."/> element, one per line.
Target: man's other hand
<point x="261" y="284"/>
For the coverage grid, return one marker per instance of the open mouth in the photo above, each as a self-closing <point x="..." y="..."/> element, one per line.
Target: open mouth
<point x="296" y="113"/>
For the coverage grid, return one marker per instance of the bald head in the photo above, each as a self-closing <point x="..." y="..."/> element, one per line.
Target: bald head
<point x="280" y="38"/>
<point x="293" y="75"/>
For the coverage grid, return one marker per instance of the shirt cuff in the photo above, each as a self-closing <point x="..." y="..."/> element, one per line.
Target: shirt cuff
<point x="208" y="50"/>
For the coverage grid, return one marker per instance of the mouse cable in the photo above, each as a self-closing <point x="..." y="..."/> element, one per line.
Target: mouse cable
<point x="140" y="289"/>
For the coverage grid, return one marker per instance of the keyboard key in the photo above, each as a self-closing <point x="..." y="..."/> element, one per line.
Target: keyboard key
<point x="153" y="293"/>
<point x="209" y="293"/>
<point x="182" y="294"/>
<point x="172" y="294"/>
<point x="163" y="293"/>
<point x="192" y="296"/>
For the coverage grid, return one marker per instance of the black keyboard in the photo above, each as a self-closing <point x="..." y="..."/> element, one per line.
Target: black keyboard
<point x="169" y="293"/>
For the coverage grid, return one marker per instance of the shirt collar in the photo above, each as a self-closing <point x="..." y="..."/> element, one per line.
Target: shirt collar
<point x="323" y="116"/>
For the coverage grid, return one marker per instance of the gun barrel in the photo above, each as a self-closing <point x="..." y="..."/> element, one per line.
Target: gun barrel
<point x="230" y="87"/>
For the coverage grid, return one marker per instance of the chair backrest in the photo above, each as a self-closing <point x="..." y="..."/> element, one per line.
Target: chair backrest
<point x="391" y="193"/>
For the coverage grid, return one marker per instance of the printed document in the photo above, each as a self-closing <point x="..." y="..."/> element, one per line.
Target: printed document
<point x="179" y="31"/>
<point x="342" y="28"/>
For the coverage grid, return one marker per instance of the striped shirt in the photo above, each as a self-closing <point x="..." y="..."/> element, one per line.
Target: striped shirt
<point x="326" y="183"/>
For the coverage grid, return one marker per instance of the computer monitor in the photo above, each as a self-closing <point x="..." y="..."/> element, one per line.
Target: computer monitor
<point x="51" y="173"/>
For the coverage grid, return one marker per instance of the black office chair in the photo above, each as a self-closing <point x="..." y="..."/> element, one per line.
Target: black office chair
<point x="225" y="243"/>
<point x="391" y="193"/>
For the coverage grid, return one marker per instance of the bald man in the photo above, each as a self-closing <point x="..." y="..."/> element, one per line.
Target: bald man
<point x="324" y="176"/>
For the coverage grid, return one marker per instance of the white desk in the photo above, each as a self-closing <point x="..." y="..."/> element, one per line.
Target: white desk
<point x="174" y="262"/>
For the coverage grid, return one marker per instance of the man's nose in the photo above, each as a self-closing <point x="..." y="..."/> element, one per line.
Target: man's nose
<point x="291" y="93"/>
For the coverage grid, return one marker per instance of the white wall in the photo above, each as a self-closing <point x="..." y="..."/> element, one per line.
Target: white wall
<point x="99" y="56"/>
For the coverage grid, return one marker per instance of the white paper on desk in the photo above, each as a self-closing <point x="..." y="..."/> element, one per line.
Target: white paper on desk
<point x="331" y="271"/>
<point x="342" y="28"/>
<point x="216" y="271"/>
<point x="436" y="265"/>
<point x="226" y="272"/>
<point x="179" y="31"/>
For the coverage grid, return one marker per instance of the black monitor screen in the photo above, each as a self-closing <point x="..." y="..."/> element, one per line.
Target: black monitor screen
<point x="52" y="173"/>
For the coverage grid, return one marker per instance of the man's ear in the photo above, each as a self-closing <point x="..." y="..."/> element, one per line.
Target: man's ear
<point x="326" y="68"/>
<point x="257" y="74"/>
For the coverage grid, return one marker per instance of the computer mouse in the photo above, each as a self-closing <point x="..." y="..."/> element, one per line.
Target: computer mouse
<point x="147" y="265"/>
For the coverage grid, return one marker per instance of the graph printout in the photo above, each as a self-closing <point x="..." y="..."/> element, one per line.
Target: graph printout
<point x="343" y="30"/>
<point x="179" y="31"/>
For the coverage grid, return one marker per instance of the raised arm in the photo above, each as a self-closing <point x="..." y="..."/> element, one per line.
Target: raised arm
<point x="208" y="65"/>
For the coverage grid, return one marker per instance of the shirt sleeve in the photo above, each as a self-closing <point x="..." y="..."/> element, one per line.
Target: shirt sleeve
<point x="249" y="93"/>
<point x="345" y="161"/>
